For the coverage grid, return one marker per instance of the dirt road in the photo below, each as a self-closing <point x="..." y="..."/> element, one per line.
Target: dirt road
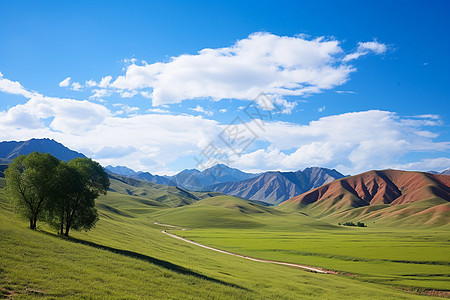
<point x="308" y="268"/>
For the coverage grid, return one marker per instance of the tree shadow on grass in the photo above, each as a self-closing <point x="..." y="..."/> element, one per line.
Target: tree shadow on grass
<point x="162" y="263"/>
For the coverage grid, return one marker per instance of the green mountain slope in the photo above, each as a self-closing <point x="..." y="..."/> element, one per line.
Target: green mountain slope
<point x="168" y="195"/>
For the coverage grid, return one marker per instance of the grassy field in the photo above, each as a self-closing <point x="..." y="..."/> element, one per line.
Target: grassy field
<point x="127" y="256"/>
<point x="418" y="259"/>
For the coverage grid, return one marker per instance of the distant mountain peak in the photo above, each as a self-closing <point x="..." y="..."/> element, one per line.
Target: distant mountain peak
<point x="12" y="149"/>
<point x="121" y="170"/>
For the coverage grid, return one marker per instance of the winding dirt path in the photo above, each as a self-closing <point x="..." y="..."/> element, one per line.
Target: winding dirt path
<point x="307" y="268"/>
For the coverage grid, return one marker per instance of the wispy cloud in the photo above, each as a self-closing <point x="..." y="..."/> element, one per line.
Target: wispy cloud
<point x="200" y="109"/>
<point x="125" y="109"/>
<point x="346" y="92"/>
<point x="157" y="111"/>
<point x="366" y="48"/>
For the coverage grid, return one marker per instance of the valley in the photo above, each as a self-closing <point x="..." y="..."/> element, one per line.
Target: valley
<point x="126" y="255"/>
<point x="163" y="241"/>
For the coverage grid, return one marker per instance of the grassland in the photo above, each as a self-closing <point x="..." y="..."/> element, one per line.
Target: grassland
<point x="407" y="258"/>
<point x="126" y="256"/>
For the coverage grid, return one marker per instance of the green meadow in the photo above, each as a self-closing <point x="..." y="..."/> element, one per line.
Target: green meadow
<point x="127" y="256"/>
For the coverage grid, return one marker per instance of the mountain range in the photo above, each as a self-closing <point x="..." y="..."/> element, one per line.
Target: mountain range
<point x="191" y="179"/>
<point x="276" y="187"/>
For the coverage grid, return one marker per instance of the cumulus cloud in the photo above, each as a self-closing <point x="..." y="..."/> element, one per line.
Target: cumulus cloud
<point x="263" y="62"/>
<point x="76" y="86"/>
<point x="14" y="88"/>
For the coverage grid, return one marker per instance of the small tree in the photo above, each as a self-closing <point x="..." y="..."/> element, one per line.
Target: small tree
<point x="31" y="184"/>
<point x="360" y="224"/>
<point x="80" y="182"/>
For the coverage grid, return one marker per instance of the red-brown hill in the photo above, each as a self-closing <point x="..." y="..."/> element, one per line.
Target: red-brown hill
<point x="388" y="195"/>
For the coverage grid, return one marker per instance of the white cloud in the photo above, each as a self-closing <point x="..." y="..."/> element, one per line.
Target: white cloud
<point x="65" y="82"/>
<point x="223" y="110"/>
<point x="200" y="109"/>
<point x="147" y="142"/>
<point x="90" y="83"/>
<point x="263" y="62"/>
<point x="105" y="81"/>
<point x="157" y="111"/>
<point x="366" y="48"/>
<point x="350" y="142"/>
<point x="100" y="93"/>
<point x="76" y="86"/>
<point x="125" y="109"/>
<point x="374" y="46"/>
<point x="427" y="116"/>
<point x="432" y="164"/>
<point x="321" y="109"/>
<point x="346" y="92"/>
<point x="14" y="87"/>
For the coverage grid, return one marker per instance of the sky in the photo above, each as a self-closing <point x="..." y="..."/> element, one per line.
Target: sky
<point x="259" y="85"/>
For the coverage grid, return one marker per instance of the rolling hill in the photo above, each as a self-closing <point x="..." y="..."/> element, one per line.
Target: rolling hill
<point x="276" y="187"/>
<point x="167" y="195"/>
<point x="388" y="196"/>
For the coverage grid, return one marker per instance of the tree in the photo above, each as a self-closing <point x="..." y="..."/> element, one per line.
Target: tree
<point x="31" y="184"/>
<point x="80" y="182"/>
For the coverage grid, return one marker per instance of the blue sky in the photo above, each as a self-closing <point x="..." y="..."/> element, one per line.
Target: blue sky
<point x="359" y="86"/>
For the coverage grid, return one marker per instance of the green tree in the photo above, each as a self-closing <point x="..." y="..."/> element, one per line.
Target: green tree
<point x="80" y="182"/>
<point x="31" y="184"/>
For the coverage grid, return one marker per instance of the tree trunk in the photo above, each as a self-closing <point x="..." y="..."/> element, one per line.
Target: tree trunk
<point x="62" y="223"/>
<point x="67" y="231"/>
<point x="33" y="223"/>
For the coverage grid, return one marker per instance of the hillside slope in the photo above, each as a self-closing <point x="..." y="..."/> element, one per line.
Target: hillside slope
<point x="388" y="196"/>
